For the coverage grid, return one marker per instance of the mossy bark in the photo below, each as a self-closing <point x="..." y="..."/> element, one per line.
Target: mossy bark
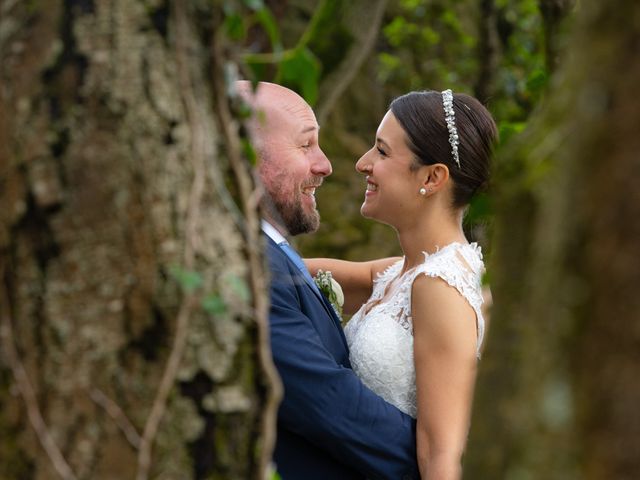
<point x="116" y="224"/>
<point x="555" y="396"/>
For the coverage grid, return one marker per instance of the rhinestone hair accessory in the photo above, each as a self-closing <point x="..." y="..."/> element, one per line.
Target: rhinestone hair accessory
<point x="450" y="118"/>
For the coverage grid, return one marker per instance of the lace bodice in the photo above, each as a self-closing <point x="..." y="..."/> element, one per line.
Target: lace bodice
<point x="380" y="334"/>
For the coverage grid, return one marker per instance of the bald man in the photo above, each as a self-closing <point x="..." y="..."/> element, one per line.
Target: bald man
<point x="330" y="426"/>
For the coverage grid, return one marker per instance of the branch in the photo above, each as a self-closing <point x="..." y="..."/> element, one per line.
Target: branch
<point x="338" y="81"/>
<point x="168" y="379"/>
<point x="250" y="198"/>
<point x="198" y="142"/>
<point x="116" y="413"/>
<point x="28" y="395"/>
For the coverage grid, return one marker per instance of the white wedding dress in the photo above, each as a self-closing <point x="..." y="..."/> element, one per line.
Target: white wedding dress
<point x="380" y="334"/>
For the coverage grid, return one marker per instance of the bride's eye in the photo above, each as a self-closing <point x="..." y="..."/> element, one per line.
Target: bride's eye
<point x="381" y="152"/>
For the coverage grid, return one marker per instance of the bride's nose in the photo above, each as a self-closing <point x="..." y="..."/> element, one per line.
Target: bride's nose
<point x="363" y="165"/>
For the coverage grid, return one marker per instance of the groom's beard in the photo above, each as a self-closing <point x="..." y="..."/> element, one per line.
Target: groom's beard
<point x="291" y="214"/>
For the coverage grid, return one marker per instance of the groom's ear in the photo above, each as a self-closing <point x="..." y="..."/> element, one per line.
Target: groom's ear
<point x="436" y="177"/>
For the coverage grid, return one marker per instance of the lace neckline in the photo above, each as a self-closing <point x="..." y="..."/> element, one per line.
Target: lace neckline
<point x="391" y="281"/>
<point x="459" y="264"/>
<point x="392" y="271"/>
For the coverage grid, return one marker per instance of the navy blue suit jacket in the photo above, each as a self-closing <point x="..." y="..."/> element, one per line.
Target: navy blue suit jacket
<point x="330" y="426"/>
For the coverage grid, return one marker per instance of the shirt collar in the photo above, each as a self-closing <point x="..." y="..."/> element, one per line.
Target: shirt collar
<point x="271" y="232"/>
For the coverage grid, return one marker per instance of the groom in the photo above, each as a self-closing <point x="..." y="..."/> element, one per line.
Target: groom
<point x="330" y="426"/>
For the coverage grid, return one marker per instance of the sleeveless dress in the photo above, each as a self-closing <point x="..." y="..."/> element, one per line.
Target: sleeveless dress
<point x="380" y="334"/>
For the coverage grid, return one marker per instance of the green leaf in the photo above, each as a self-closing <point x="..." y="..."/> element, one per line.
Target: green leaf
<point x="235" y="27"/>
<point x="301" y="70"/>
<point x="429" y="36"/>
<point x="398" y="31"/>
<point x="259" y="69"/>
<point x="507" y="130"/>
<point x="239" y="287"/>
<point x="266" y="19"/>
<point x="249" y="152"/>
<point x="188" y="280"/>
<point x="389" y="61"/>
<point x="214" y="304"/>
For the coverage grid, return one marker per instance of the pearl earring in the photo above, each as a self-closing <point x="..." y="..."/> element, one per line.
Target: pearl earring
<point x="423" y="191"/>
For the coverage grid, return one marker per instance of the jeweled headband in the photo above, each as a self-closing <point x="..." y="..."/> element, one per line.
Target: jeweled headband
<point x="450" y="118"/>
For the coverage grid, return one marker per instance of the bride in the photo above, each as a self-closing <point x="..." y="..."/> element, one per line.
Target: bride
<point x="418" y="326"/>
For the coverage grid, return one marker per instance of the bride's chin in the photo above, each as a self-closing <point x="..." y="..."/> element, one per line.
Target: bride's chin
<point x="366" y="212"/>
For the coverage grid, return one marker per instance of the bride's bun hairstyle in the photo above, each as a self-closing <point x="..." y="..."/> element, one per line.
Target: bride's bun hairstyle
<point x="453" y="129"/>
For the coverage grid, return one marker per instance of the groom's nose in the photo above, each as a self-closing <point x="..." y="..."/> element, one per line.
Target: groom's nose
<point x="321" y="165"/>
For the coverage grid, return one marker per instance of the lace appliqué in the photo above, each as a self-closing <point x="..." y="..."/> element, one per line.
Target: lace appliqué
<point x="461" y="266"/>
<point x="380" y="334"/>
<point x="396" y="305"/>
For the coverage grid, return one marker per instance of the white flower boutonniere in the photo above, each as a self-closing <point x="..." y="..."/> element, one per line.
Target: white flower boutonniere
<point x="331" y="289"/>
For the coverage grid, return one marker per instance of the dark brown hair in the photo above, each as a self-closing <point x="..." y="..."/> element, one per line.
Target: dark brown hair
<point x="421" y="115"/>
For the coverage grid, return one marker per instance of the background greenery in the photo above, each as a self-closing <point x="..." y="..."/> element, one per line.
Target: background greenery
<point x="494" y="50"/>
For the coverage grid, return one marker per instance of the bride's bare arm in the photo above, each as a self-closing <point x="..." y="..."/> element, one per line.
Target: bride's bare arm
<point x="444" y="327"/>
<point x="355" y="278"/>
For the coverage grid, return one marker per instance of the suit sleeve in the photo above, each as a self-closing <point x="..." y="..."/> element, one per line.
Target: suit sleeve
<point x="327" y="403"/>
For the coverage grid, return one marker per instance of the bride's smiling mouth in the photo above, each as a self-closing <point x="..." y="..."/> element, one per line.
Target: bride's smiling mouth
<point x="372" y="187"/>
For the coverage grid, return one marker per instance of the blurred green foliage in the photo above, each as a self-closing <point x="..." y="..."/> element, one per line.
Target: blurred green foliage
<point x="300" y="68"/>
<point x="435" y="45"/>
<point x="189" y="280"/>
<point x="421" y="45"/>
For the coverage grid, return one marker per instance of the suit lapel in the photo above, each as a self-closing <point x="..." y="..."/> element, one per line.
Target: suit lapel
<point x="321" y="298"/>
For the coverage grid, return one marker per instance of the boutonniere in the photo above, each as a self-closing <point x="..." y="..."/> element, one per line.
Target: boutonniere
<point x="331" y="289"/>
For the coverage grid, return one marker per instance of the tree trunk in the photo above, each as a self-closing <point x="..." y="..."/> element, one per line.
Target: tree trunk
<point x="557" y="396"/>
<point x="132" y="300"/>
<point x="553" y="14"/>
<point x="488" y="51"/>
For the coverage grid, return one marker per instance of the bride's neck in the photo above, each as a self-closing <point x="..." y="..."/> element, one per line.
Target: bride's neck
<point x="428" y="234"/>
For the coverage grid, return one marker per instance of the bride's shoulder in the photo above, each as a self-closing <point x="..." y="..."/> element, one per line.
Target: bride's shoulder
<point x="458" y="265"/>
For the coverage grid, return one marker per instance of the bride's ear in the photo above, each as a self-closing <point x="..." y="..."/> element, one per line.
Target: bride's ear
<point x="436" y="178"/>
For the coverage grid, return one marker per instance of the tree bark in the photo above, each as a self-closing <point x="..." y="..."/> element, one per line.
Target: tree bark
<point x="488" y="50"/>
<point x="132" y="299"/>
<point x="556" y="397"/>
<point x="554" y="13"/>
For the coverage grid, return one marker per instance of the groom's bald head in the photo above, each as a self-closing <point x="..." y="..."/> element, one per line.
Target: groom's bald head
<point x="284" y="132"/>
<point x="272" y="105"/>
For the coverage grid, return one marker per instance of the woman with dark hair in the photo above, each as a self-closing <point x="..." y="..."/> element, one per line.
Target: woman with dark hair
<point x="417" y="330"/>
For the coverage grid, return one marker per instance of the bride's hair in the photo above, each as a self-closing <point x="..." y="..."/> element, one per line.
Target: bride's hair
<point x="422" y="117"/>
